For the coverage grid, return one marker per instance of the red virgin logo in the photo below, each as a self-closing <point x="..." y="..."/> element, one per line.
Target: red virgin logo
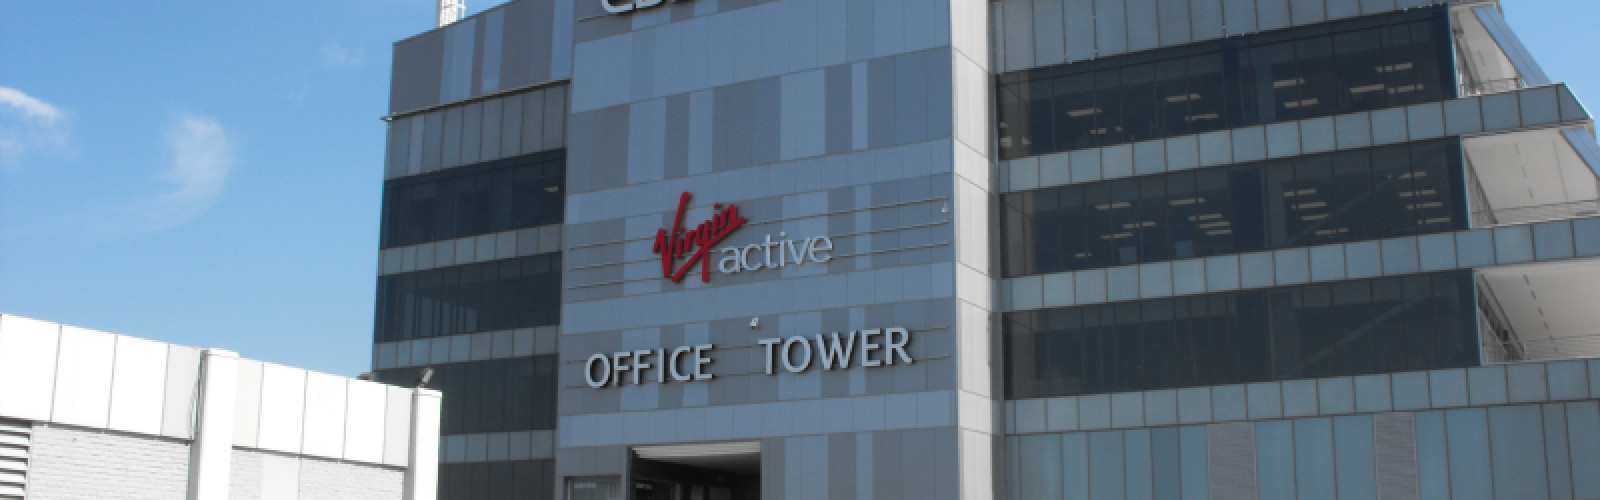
<point x="695" y="243"/>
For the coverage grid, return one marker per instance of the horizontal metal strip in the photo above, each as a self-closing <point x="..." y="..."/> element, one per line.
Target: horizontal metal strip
<point x="857" y="254"/>
<point x="774" y="221"/>
<point x="845" y="235"/>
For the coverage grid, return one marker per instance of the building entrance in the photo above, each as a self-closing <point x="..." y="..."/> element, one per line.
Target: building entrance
<point x="714" y="471"/>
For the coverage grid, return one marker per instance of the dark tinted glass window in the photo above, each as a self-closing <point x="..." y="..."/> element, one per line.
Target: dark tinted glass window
<point x="518" y="479"/>
<point x="1331" y="68"/>
<point x="496" y="196"/>
<point x="1417" y="322"/>
<point x="499" y="295"/>
<point x="1308" y="200"/>
<point x="490" y="396"/>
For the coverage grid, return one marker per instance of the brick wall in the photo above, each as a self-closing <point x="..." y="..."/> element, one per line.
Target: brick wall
<point x="71" y="463"/>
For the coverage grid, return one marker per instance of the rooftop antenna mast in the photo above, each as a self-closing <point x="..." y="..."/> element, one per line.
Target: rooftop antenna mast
<point x="451" y="11"/>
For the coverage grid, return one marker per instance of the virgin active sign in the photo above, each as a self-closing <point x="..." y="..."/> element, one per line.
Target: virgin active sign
<point x="682" y="249"/>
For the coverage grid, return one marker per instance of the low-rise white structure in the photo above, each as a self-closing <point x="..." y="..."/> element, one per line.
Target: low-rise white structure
<point x="87" y="414"/>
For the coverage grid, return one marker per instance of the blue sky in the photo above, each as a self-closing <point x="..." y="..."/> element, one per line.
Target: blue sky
<point x="208" y="173"/>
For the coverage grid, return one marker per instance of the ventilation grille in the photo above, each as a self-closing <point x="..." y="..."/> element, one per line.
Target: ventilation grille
<point x="13" y="459"/>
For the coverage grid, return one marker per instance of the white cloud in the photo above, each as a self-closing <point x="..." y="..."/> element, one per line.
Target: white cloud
<point x="202" y="158"/>
<point x="29" y="125"/>
<point x="338" y="56"/>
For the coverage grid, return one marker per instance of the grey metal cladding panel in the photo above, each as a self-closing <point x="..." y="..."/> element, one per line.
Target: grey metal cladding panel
<point x="1516" y="444"/>
<point x="526" y="51"/>
<point x="1111" y="27"/>
<point x="472" y="133"/>
<point x="837" y="112"/>
<point x="1174" y="21"/>
<point x="414" y="82"/>
<point x="555" y="116"/>
<point x="676" y="161"/>
<point x="1206" y="16"/>
<point x="1272" y="14"/>
<point x="880" y="102"/>
<point x="511" y="126"/>
<point x="460" y="53"/>
<point x="1143" y="28"/>
<point x="1048" y="45"/>
<point x="766" y="98"/>
<point x="1078" y="16"/>
<point x="1306" y="11"/>
<point x="491" y="39"/>
<point x="1239" y="16"/>
<point x="941" y="93"/>
<point x="911" y="97"/>
<point x="597" y="26"/>
<point x="587" y="159"/>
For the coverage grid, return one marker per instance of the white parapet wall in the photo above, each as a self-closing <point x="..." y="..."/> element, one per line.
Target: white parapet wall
<point x="90" y="414"/>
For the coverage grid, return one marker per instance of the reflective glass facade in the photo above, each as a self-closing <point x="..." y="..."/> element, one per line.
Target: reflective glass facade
<point x="500" y="395"/>
<point x="522" y="480"/>
<point x="498" y="295"/>
<point x="1347" y="328"/>
<point x="1332" y="68"/>
<point x="514" y="193"/>
<point x="1307" y="200"/>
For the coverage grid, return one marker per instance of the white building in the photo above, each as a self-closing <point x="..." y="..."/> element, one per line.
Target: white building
<point x="87" y="414"/>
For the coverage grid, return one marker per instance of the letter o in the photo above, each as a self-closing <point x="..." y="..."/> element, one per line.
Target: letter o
<point x="787" y="351"/>
<point x="605" y="370"/>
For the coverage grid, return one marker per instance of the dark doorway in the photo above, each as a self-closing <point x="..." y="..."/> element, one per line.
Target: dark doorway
<point x="719" y="471"/>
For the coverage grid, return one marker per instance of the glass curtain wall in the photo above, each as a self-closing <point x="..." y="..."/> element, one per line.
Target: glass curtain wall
<point x="1338" y="67"/>
<point x="491" y="197"/>
<point x="498" y="295"/>
<point x="1356" y="327"/>
<point x="1308" y="200"/>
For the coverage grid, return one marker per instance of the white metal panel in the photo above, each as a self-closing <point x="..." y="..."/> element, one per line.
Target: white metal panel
<point x="364" y="422"/>
<point x="137" y="385"/>
<point x="247" y="403"/>
<point x="1527" y="67"/>
<point x="283" y="391"/>
<point x="324" y="416"/>
<point x="183" y="391"/>
<point x="396" y="426"/>
<point x="27" y="353"/>
<point x="83" y="377"/>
